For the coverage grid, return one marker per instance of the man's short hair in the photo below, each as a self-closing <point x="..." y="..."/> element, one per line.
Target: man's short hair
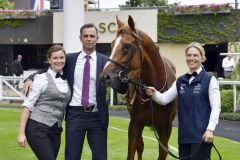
<point x="88" y="25"/>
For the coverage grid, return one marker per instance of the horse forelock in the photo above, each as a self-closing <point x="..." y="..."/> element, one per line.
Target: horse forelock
<point x="127" y="30"/>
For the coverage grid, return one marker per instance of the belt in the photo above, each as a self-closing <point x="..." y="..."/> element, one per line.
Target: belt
<point x="86" y="108"/>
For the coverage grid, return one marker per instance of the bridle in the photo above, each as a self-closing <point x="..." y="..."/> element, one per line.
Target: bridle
<point x="122" y="74"/>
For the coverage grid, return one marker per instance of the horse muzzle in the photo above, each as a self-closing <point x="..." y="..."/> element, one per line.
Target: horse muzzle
<point x="106" y="80"/>
<point x="112" y="80"/>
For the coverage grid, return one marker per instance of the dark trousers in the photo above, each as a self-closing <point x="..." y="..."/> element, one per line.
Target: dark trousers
<point x="43" y="140"/>
<point x="79" y="124"/>
<point x="16" y="82"/>
<point x="202" y="153"/>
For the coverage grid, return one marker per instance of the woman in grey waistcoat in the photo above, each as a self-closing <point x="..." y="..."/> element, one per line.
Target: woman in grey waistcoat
<point x="44" y="108"/>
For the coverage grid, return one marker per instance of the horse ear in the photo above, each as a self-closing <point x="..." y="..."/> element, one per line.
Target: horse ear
<point x="120" y="23"/>
<point x="131" y="23"/>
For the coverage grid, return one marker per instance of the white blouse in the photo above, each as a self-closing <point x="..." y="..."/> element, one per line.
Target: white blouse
<point x="39" y="86"/>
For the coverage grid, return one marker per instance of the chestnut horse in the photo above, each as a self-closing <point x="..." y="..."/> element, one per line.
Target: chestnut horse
<point x="136" y="61"/>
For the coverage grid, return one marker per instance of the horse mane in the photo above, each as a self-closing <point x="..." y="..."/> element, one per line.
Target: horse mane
<point x="153" y="55"/>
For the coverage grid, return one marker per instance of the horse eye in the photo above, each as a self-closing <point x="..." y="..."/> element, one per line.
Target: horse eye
<point x="126" y="48"/>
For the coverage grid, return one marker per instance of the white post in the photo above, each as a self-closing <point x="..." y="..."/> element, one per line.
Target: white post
<point x="36" y="5"/>
<point x="1" y="88"/>
<point x="234" y="98"/>
<point x="111" y="97"/>
<point x="73" y="20"/>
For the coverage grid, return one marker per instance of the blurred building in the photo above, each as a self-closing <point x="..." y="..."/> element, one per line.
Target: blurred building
<point x="54" y="4"/>
<point x="35" y="35"/>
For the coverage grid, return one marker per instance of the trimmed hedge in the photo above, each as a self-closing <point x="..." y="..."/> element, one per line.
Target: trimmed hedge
<point x="227" y="101"/>
<point x="118" y="107"/>
<point x="230" y="116"/>
<point x="224" y="116"/>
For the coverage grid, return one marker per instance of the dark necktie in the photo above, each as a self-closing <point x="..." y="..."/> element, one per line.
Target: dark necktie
<point x="188" y="76"/>
<point x="86" y="82"/>
<point x="58" y="75"/>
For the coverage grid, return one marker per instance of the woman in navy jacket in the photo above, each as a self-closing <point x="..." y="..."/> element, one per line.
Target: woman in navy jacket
<point x="198" y="105"/>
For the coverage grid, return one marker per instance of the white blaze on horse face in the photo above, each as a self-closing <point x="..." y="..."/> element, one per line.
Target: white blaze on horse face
<point x="117" y="41"/>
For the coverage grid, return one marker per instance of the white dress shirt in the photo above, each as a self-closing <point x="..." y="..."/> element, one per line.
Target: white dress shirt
<point x="78" y="80"/>
<point x="213" y="93"/>
<point x="39" y="86"/>
<point x="228" y="64"/>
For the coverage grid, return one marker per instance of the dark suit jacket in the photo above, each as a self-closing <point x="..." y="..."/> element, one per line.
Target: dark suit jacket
<point x="17" y="67"/>
<point x="69" y="70"/>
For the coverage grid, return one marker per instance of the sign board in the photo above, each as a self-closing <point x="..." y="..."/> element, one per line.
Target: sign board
<point x="145" y="19"/>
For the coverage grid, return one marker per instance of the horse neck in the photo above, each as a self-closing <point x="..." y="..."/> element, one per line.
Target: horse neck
<point x="153" y="69"/>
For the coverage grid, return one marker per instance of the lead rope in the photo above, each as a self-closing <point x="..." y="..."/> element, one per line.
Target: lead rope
<point x="173" y="155"/>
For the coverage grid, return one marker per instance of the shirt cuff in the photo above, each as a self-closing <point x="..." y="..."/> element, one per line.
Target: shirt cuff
<point x="27" y="105"/>
<point x="211" y="126"/>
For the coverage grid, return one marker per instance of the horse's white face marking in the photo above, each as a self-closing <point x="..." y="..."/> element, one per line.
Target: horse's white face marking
<point x="114" y="48"/>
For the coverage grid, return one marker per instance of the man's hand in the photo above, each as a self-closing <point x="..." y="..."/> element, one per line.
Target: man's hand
<point x="27" y="86"/>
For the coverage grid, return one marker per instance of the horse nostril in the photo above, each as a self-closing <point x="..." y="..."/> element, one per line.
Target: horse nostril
<point x="107" y="80"/>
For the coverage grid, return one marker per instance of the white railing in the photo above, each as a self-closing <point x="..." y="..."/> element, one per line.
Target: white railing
<point x="234" y="84"/>
<point x="7" y="90"/>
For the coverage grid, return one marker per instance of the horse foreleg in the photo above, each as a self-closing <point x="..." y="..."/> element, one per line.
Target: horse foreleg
<point x="140" y="147"/>
<point x="164" y="135"/>
<point x="133" y="141"/>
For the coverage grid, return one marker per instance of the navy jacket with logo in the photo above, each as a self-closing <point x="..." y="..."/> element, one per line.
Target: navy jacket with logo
<point x="193" y="107"/>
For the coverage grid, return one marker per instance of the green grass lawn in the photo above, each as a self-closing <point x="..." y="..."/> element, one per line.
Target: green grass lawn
<point x="117" y="141"/>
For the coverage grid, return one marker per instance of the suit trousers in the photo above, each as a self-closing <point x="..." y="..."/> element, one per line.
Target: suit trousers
<point x="79" y="124"/>
<point x="202" y="153"/>
<point x="43" y="140"/>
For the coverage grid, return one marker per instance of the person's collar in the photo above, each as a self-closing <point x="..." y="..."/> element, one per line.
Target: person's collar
<point x="93" y="55"/>
<point x="53" y="73"/>
<point x="198" y="70"/>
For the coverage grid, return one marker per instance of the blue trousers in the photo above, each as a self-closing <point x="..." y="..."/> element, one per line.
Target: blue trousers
<point x="79" y="125"/>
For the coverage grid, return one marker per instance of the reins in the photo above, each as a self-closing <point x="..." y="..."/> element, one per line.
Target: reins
<point x="173" y="155"/>
<point x="143" y="86"/>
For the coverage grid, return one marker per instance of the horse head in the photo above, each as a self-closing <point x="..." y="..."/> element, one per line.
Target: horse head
<point x="126" y="57"/>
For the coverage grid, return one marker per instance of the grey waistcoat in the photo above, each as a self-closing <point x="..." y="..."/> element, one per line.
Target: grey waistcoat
<point x="51" y="105"/>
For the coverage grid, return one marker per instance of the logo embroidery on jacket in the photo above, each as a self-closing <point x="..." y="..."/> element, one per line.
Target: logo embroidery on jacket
<point x="182" y="88"/>
<point x="197" y="89"/>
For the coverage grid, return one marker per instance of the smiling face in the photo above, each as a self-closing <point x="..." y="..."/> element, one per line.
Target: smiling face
<point x="194" y="59"/>
<point x="57" y="60"/>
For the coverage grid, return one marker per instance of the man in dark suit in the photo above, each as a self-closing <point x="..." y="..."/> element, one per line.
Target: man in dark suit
<point x="17" y="69"/>
<point x="91" y="118"/>
<point x="87" y="112"/>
